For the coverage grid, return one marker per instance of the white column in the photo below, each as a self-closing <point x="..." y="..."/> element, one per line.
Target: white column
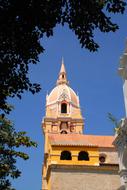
<point x="121" y="146"/>
<point x="123" y="73"/>
<point x="125" y="95"/>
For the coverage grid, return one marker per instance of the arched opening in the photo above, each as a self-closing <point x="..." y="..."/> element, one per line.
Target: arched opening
<point x="83" y="156"/>
<point x="65" y="155"/>
<point x="63" y="108"/>
<point x="63" y="132"/>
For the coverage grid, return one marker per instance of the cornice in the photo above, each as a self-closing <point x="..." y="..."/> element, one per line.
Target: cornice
<point x="112" y="168"/>
<point x="50" y="119"/>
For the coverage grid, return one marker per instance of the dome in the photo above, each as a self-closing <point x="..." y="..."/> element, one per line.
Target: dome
<point x="63" y="92"/>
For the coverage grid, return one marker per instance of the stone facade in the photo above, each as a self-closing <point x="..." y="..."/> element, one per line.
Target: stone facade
<point x="111" y="155"/>
<point x="73" y="179"/>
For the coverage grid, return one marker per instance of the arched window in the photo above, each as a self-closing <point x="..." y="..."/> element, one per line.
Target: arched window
<point x="83" y="156"/>
<point x="65" y="155"/>
<point x="63" y="108"/>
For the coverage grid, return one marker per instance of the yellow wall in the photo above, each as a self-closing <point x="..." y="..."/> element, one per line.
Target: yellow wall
<point x="56" y="152"/>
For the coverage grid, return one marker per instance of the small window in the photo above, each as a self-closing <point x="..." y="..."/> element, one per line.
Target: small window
<point x="65" y="155"/>
<point x="102" y="159"/>
<point x="83" y="156"/>
<point x="63" y="108"/>
<point x="62" y="76"/>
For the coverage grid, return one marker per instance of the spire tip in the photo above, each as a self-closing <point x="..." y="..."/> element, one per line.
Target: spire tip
<point x="62" y="79"/>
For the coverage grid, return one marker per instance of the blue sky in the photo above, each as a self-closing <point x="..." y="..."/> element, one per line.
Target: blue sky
<point x="93" y="75"/>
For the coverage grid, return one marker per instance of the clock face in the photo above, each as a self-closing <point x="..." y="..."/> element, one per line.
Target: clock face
<point x="125" y="158"/>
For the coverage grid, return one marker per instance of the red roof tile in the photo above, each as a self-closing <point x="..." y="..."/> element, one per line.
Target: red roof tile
<point x="81" y="140"/>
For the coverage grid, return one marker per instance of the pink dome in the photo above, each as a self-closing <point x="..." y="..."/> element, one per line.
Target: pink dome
<point x="63" y="92"/>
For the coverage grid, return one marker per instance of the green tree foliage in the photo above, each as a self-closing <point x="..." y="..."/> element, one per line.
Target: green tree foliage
<point x="10" y="142"/>
<point x="24" y="23"/>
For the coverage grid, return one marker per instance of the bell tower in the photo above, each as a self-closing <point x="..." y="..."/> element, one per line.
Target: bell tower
<point x="63" y="114"/>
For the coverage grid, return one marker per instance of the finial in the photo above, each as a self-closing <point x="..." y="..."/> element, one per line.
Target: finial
<point x="62" y="79"/>
<point x="62" y="70"/>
